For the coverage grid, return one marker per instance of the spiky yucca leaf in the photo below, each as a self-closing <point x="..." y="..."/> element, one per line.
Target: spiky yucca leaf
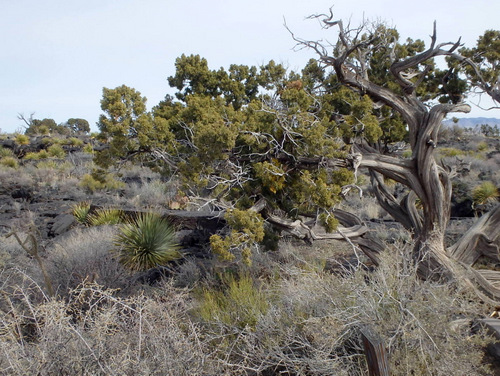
<point x="81" y="211"/>
<point x="105" y="216"/>
<point x="485" y="193"/>
<point x="146" y="241"/>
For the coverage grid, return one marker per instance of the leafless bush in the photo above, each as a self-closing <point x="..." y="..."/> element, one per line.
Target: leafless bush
<point x="96" y="333"/>
<point x="84" y="255"/>
<point x="154" y="193"/>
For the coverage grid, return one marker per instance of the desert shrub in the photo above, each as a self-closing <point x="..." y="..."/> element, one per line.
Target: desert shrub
<point x="81" y="212"/>
<point x="93" y="183"/>
<point x="34" y="156"/>
<point x="105" y="216"/>
<point x="95" y="332"/>
<point x="22" y="139"/>
<point x="312" y="324"/>
<point x="151" y="193"/>
<point x="56" y="151"/>
<point x="88" y="149"/>
<point x="6" y="152"/>
<point x="146" y="241"/>
<point x="482" y="146"/>
<point x="240" y="304"/>
<point x="54" y="165"/>
<point x="47" y="141"/>
<point x="75" y="141"/>
<point x="451" y="152"/>
<point x="10" y="162"/>
<point x="407" y="153"/>
<point x="485" y="193"/>
<point x="83" y="255"/>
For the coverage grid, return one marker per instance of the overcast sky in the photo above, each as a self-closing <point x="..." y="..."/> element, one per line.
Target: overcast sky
<point x="57" y="55"/>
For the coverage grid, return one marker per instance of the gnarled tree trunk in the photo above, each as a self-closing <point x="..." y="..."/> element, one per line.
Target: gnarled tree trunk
<point x="427" y="182"/>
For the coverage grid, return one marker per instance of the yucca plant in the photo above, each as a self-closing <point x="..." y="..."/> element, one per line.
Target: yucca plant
<point x="81" y="211"/>
<point x="146" y="241"/>
<point x="485" y="193"/>
<point x="5" y="152"/>
<point x="105" y="216"/>
<point x="22" y="139"/>
<point x="9" y="162"/>
<point x="56" y="151"/>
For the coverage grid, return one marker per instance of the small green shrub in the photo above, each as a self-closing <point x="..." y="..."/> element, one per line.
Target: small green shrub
<point x="88" y="149"/>
<point x="9" y="162"/>
<point x="47" y="141"/>
<point x="482" y="146"/>
<point x="32" y="156"/>
<point x="105" y="216"/>
<point x="43" y="130"/>
<point x="145" y="242"/>
<point x="485" y="193"/>
<point x="42" y="154"/>
<point x="22" y="139"/>
<point x="56" y="151"/>
<point x="407" y="153"/>
<point x="451" y="152"/>
<point x="93" y="182"/>
<point x="54" y="165"/>
<point x="75" y="141"/>
<point x="240" y="304"/>
<point x="5" y="152"/>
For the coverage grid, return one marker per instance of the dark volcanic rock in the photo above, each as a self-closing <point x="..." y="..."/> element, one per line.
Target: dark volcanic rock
<point x="62" y="223"/>
<point x="22" y="193"/>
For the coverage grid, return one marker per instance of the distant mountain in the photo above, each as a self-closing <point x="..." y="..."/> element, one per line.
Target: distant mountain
<point x="473" y="122"/>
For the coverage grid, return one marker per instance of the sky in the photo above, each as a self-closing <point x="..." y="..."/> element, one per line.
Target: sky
<point x="57" y="55"/>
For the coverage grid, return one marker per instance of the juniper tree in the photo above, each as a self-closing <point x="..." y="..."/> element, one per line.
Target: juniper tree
<point x="278" y="149"/>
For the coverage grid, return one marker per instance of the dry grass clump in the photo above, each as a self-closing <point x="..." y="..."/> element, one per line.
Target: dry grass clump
<point x="153" y="193"/>
<point x="84" y="255"/>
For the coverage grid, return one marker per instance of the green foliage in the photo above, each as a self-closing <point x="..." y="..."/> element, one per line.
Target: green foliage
<point x="490" y="131"/>
<point x="451" y="152"/>
<point x="484" y="193"/>
<point x="6" y="152"/>
<point x="99" y="180"/>
<point x="10" y="162"/>
<point x="22" y="139"/>
<point x="81" y="212"/>
<point x="104" y="216"/>
<point x="56" y="151"/>
<point x="128" y="127"/>
<point x="486" y="54"/>
<point x="88" y="148"/>
<point x="271" y="175"/>
<point x="77" y="125"/>
<point x="55" y="165"/>
<point x="247" y="228"/>
<point x="146" y="242"/>
<point x="42" y="154"/>
<point x="74" y="141"/>
<point x="329" y="222"/>
<point x="240" y="304"/>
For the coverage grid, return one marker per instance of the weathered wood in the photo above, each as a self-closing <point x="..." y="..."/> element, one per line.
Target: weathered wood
<point x="375" y="352"/>
<point x="483" y="238"/>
